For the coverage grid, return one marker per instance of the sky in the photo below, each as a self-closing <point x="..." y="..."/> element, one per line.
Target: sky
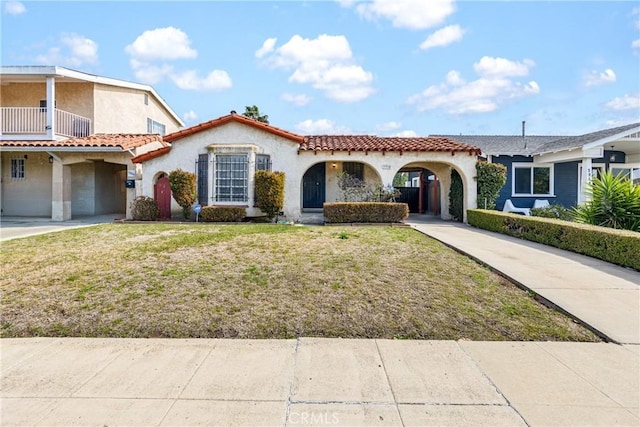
<point x="389" y="68"/>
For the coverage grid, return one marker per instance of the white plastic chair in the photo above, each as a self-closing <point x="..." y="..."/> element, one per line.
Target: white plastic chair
<point x="541" y="203"/>
<point x="509" y="207"/>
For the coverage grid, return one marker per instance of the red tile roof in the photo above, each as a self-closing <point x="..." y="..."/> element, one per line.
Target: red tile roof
<point x="378" y="143"/>
<point x="232" y="118"/>
<point x="150" y="155"/>
<point x="122" y="141"/>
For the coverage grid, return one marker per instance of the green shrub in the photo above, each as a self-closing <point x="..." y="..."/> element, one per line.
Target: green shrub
<point x="144" y="209"/>
<point x="553" y="211"/>
<point x="269" y="192"/>
<point x="456" y="196"/>
<point x="183" y="189"/>
<point x="222" y="213"/>
<point x="346" y="212"/>
<point x="615" y="203"/>
<point x="620" y="247"/>
<point x="491" y="177"/>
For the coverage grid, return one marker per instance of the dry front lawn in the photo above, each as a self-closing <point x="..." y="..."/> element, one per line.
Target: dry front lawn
<point x="261" y="281"/>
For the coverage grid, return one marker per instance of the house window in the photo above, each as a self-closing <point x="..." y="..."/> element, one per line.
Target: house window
<point x="231" y="178"/>
<point x="530" y="180"/>
<point x="263" y="162"/>
<point x="155" y="127"/>
<point x="354" y="169"/>
<point x="17" y="168"/>
<point x="43" y="105"/>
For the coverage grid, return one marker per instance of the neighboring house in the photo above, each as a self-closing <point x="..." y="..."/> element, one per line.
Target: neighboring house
<point x="225" y="153"/>
<point x="558" y="168"/>
<point x="74" y="159"/>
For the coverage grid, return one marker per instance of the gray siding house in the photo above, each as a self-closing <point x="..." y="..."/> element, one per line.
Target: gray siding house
<point x="558" y="168"/>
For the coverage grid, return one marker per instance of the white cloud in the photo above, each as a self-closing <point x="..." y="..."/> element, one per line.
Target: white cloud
<point x="161" y="43"/>
<point x="501" y="67"/>
<point x="410" y="14"/>
<point x="388" y="126"/>
<point x="635" y="44"/>
<point x="14" y="8"/>
<point x="74" y="51"/>
<point x="150" y="73"/>
<point x="267" y="47"/>
<point x="190" y="116"/>
<point x="595" y="78"/>
<point x="406" y="134"/>
<point x="189" y="80"/>
<point x="625" y="102"/>
<point x="321" y="127"/>
<point x="443" y="37"/>
<point x="326" y="63"/>
<point x="636" y="11"/>
<point x="299" y="100"/>
<point x="493" y="89"/>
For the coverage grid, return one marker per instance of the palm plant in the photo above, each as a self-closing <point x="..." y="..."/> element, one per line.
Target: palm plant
<point x="615" y="203"/>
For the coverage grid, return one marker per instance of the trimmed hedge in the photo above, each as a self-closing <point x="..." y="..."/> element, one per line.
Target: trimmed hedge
<point x="345" y="212"/>
<point x="222" y="213"/>
<point x="269" y="192"/>
<point x="620" y="247"/>
<point x="144" y="209"/>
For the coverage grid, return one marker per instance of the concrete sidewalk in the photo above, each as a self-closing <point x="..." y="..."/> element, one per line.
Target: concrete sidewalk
<point x="602" y="295"/>
<point x="342" y="382"/>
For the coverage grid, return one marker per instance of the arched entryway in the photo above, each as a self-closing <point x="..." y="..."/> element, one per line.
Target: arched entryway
<point x="314" y="187"/>
<point x="419" y="188"/>
<point x="162" y="196"/>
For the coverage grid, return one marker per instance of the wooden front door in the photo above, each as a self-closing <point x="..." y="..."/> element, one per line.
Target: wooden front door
<point x="162" y="194"/>
<point x="313" y="187"/>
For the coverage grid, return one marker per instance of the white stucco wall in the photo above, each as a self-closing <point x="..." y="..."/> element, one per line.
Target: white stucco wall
<point x="185" y="151"/>
<point x="380" y="167"/>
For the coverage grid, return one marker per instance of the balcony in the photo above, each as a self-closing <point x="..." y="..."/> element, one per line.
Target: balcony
<point x="32" y="122"/>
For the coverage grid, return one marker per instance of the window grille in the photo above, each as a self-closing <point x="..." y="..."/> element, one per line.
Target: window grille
<point x="231" y="178"/>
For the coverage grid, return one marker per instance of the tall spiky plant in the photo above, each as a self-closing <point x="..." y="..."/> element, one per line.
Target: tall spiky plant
<point x="615" y="203"/>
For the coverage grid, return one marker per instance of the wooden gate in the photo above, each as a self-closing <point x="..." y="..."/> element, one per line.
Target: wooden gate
<point x="162" y="194"/>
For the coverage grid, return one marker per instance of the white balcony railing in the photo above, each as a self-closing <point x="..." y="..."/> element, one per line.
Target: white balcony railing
<point x="33" y="121"/>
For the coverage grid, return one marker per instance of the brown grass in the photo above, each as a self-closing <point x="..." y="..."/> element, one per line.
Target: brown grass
<point x="261" y="281"/>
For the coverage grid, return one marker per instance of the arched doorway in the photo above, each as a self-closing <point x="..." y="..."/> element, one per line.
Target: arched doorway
<point x="313" y="187"/>
<point x="162" y="195"/>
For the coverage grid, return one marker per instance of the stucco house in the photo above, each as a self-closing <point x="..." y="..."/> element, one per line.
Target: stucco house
<point x="225" y="153"/>
<point x="67" y="139"/>
<point x="558" y="168"/>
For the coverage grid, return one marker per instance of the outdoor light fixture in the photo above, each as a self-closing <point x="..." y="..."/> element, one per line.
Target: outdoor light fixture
<point x="334" y="165"/>
<point x="50" y="159"/>
<point x="612" y="156"/>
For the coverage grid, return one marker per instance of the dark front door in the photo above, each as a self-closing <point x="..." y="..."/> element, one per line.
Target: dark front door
<point x="163" y="197"/>
<point x="313" y="187"/>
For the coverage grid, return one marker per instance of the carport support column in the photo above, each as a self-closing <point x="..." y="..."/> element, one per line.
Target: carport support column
<point x="61" y="192"/>
<point x="51" y="108"/>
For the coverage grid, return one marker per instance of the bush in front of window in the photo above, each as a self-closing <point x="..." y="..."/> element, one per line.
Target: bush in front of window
<point x="183" y="190"/>
<point x="223" y="213"/>
<point x="620" y="247"/>
<point x="374" y="212"/>
<point x="144" y="209"/>
<point x="553" y="211"/>
<point x="269" y="192"/>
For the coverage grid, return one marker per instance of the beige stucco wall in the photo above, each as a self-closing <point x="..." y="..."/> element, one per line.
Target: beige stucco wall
<point x="112" y="109"/>
<point x="30" y="196"/>
<point x="123" y="110"/>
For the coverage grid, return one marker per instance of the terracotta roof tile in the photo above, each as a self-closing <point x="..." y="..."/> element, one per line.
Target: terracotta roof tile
<point x="378" y="143"/>
<point x="123" y="141"/>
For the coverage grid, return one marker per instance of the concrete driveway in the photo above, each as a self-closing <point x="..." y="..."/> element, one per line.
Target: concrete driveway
<point x="18" y="227"/>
